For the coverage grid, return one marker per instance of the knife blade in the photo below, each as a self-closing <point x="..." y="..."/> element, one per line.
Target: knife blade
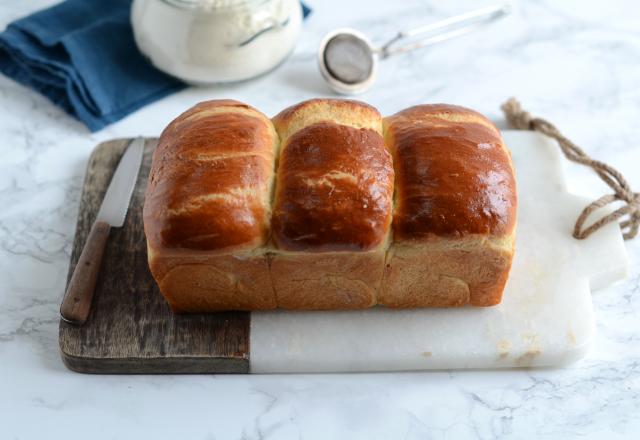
<point x="76" y="304"/>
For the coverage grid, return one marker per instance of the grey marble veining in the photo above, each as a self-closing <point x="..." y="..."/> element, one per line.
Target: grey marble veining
<point x="574" y="62"/>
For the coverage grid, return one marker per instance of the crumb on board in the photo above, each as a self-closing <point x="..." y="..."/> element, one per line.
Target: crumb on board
<point x="533" y="350"/>
<point x="571" y="336"/>
<point x="527" y="358"/>
<point x="503" y="347"/>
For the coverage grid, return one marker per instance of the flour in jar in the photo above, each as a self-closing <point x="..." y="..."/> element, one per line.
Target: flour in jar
<point x="209" y="5"/>
<point x="211" y="41"/>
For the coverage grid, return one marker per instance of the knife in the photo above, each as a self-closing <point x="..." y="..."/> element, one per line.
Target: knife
<point x="76" y="304"/>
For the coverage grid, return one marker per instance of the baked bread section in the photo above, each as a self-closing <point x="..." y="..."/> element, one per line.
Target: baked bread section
<point x="332" y="206"/>
<point x="328" y="206"/>
<point x="455" y="209"/>
<point x="208" y="207"/>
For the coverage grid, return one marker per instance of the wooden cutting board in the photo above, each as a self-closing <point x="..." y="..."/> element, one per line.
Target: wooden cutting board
<point x="546" y="317"/>
<point x="131" y="328"/>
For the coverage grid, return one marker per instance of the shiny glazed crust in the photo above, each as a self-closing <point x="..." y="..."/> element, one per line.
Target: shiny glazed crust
<point x="332" y="207"/>
<point x="455" y="209"/>
<point x="210" y="184"/>
<point x="454" y="174"/>
<point x="208" y="206"/>
<point x="245" y="214"/>
<point x="335" y="178"/>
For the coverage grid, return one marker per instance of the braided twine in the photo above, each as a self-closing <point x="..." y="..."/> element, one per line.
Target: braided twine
<point x="522" y="120"/>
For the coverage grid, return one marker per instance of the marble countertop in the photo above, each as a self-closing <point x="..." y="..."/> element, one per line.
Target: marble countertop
<point x="574" y="62"/>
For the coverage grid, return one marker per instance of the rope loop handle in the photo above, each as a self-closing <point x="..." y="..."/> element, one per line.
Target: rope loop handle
<point x="622" y="192"/>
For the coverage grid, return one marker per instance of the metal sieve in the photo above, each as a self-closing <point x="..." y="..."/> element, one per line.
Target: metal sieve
<point x="348" y="61"/>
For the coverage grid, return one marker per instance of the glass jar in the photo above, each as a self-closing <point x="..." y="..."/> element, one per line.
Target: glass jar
<point x="216" y="41"/>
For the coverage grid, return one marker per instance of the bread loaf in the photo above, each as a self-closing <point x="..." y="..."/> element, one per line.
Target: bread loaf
<point x="332" y="207"/>
<point x="454" y="215"/>
<point x="208" y="207"/>
<point x="327" y="207"/>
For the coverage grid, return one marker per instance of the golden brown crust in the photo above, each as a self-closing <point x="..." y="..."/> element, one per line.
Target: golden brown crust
<point x="455" y="209"/>
<point x="446" y="272"/>
<point x="205" y="282"/>
<point x="335" y="181"/>
<point x="210" y="183"/>
<point x="208" y="216"/>
<point x="453" y="174"/>
<point x="327" y="280"/>
<point x="348" y="112"/>
<point x="332" y="207"/>
<point x="207" y="209"/>
<point x="334" y="190"/>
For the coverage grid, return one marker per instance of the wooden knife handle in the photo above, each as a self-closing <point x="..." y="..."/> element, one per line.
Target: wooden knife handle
<point x="76" y="304"/>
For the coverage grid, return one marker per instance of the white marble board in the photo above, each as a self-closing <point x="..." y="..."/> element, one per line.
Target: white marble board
<point x="545" y="319"/>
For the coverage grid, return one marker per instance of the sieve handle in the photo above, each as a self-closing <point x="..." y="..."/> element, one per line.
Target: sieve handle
<point x="459" y="25"/>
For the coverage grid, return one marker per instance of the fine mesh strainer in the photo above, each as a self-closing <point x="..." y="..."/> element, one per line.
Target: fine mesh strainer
<point x="348" y="61"/>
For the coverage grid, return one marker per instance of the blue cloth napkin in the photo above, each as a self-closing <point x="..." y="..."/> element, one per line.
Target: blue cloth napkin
<point x="81" y="55"/>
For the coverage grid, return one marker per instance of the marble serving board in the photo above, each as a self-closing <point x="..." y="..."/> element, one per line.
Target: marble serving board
<point x="545" y="319"/>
